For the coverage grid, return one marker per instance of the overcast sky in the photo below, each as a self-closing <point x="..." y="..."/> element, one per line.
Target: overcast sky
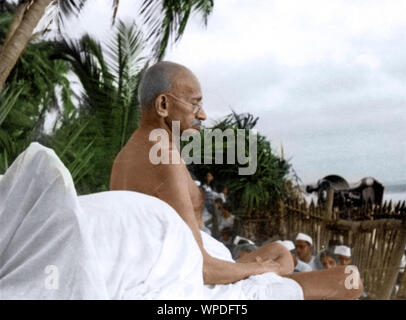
<point x="326" y="78"/>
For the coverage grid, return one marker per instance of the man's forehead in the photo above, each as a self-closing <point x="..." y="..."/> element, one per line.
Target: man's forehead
<point x="301" y="243"/>
<point x="186" y="81"/>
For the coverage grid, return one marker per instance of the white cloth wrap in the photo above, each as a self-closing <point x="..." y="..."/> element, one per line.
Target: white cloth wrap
<point x="111" y="245"/>
<point x="145" y="250"/>
<point x="44" y="251"/>
<point x="267" y="286"/>
<point x="108" y="245"/>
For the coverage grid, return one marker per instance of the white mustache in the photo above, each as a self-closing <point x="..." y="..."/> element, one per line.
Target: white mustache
<point x="195" y="122"/>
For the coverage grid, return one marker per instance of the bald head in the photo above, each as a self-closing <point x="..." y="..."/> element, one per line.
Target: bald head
<point x="159" y="78"/>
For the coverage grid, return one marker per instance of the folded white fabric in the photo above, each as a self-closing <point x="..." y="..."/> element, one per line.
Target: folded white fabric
<point x="44" y="252"/>
<point x="267" y="286"/>
<point x="144" y="249"/>
<point x="111" y="245"/>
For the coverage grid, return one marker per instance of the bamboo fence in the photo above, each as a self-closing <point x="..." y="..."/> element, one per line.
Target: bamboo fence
<point x="375" y="233"/>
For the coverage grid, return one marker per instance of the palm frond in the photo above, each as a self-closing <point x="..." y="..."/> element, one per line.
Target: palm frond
<point x="127" y="62"/>
<point x="86" y="59"/>
<point x="66" y="8"/>
<point x="116" y="3"/>
<point x="124" y="52"/>
<point x="61" y="10"/>
<point x="108" y="103"/>
<point x="76" y="159"/>
<point x="168" y="18"/>
<point x="8" y="99"/>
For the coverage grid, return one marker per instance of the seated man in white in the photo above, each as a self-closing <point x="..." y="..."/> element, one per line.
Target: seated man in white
<point x="343" y="254"/>
<point x="299" y="266"/>
<point x="304" y="248"/>
<point x="168" y="93"/>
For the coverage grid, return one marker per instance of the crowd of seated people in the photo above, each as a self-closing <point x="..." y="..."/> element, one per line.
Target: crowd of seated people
<point x="218" y="221"/>
<point x="216" y="211"/>
<point x="306" y="260"/>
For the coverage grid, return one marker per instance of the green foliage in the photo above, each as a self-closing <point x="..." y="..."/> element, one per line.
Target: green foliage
<point x="32" y="90"/>
<point x="8" y="146"/>
<point x="75" y="155"/>
<point x="109" y="112"/>
<point x="254" y="193"/>
<point x="169" y="17"/>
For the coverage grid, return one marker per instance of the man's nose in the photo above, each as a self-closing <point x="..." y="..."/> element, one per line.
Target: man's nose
<point x="201" y="115"/>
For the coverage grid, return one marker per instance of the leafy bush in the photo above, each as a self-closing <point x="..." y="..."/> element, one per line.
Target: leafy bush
<point x="250" y="194"/>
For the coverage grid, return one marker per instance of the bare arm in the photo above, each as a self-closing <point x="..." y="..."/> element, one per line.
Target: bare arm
<point x="174" y="190"/>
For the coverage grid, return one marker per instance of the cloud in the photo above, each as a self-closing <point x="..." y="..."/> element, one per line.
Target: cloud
<point x="326" y="79"/>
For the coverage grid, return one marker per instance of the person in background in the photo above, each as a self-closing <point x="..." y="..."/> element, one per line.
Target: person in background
<point x="303" y="246"/>
<point x="328" y="259"/>
<point x="344" y="258"/>
<point x="226" y="219"/>
<point x="227" y="237"/>
<point x="223" y="193"/>
<point x="207" y="184"/>
<point x="343" y="254"/>
<point x="211" y="215"/>
<point x="300" y="266"/>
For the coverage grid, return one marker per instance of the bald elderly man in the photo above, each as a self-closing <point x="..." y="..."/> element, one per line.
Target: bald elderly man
<point x="170" y="92"/>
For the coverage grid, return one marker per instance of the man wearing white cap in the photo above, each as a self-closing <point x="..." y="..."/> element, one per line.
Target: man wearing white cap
<point x="303" y="247"/>
<point x="300" y="266"/>
<point x="343" y="254"/>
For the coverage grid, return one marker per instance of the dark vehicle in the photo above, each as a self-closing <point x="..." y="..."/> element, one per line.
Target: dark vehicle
<point x="367" y="191"/>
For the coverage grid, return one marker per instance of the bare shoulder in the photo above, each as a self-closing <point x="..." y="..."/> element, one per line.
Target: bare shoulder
<point x="131" y="169"/>
<point x="173" y="176"/>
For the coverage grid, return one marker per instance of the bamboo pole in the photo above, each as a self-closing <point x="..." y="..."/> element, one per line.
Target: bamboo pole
<point x="329" y="203"/>
<point x="282" y="220"/>
<point x="394" y="267"/>
<point x="370" y="259"/>
<point x="401" y="294"/>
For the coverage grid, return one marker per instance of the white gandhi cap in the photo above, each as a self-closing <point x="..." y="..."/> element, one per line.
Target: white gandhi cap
<point x="304" y="237"/>
<point x="342" y="251"/>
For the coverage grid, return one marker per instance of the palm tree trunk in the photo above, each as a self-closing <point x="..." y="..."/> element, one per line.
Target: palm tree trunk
<point x="19" y="36"/>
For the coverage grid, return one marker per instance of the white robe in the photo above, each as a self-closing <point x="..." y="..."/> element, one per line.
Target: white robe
<point x="109" y="245"/>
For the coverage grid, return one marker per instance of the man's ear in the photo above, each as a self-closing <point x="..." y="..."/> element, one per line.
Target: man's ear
<point x="161" y="105"/>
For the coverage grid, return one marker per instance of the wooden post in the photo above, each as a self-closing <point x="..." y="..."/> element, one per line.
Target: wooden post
<point x="393" y="267"/>
<point x="282" y="229"/>
<point x="329" y="203"/>
<point x="401" y="294"/>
